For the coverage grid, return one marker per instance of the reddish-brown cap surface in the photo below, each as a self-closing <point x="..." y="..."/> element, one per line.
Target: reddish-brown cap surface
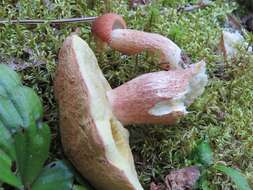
<point x="102" y="27"/>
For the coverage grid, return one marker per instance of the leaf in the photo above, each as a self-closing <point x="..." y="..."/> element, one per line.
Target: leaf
<point x="24" y="137"/>
<point x="54" y="176"/>
<point x="204" y="153"/>
<point x="78" y="187"/>
<point x="203" y="183"/>
<point x="78" y="178"/>
<point x="6" y="142"/>
<point x="8" y="80"/>
<point x="32" y="146"/>
<point x="6" y="174"/>
<point x="184" y="178"/>
<point x="235" y="175"/>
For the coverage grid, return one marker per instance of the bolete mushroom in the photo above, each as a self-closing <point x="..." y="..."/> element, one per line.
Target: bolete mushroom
<point x="158" y="97"/>
<point x="111" y="29"/>
<point x="92" y="137"/>
<point x="90" y="112"/>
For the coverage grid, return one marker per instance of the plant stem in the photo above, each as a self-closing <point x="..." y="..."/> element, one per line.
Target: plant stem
<point x="53" y="21"/>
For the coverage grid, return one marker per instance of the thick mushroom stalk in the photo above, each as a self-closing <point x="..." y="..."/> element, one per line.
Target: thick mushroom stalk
<point x="159" y="97"/>
<point x="92" y="137"/>
<point x="111" y="29"/>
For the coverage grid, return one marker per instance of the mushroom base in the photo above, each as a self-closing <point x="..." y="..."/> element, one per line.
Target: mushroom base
<point x="159" y="97"/>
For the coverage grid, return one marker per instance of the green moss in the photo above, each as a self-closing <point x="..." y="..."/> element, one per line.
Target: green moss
<point x="223" y="113"/>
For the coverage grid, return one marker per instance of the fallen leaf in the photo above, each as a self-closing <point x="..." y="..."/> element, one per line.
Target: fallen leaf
<point x="153" y="186"/>
<point x="182" y="179"/>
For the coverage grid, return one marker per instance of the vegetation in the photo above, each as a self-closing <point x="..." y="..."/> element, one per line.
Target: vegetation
<point x="223" y="114"/>
<point x="25" y="139"/>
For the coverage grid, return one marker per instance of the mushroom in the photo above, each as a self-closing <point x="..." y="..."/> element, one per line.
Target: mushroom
<point x="229" y="43"/>
<point x="111" y="29"/>
<point x="92" y="137"/>
<point x="158" y="97"/>
<point x="91" y="112"/>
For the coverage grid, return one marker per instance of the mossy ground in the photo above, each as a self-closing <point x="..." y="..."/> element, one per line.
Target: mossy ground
<point x="223" y="114"/>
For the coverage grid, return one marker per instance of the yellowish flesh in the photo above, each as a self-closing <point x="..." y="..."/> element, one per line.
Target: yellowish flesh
<point x="113" y="134"/>
<point x="195" y="89"/>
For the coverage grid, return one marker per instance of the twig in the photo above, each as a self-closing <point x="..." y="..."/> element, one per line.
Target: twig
<point x="53" y="21"/>
<point x="19" y="65"/>
<point x="200" y="5"/>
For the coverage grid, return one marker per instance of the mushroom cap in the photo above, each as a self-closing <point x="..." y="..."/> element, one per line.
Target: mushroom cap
<point x="93" y="139"/>
<point x="103" y="26"/>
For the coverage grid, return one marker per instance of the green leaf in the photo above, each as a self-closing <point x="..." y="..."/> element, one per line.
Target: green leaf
<point x="204" y="185"/>
<point x="6" y="142"/>
<point x="78" y="187"/>
<point x="32" y="146"/>
<point x="24" y="137"/>
<point x="78" y="178"/>
<point x="9" y="80"/>
<point x="235" y="175"/>
<point x="6" y="174"/>
<point x="54" y="176"/>
<point x="204" y="153"/>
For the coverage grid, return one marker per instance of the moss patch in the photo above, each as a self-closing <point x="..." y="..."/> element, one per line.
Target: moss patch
<point x="223" y="113"/>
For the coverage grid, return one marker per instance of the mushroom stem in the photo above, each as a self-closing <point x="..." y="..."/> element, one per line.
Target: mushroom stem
<point x="159" y="97"/>
<point x="111" y="29"/>
<point x="133" y="41"/>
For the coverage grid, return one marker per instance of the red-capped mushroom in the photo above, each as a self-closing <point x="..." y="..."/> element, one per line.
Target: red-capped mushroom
<point x="111" y="29"/>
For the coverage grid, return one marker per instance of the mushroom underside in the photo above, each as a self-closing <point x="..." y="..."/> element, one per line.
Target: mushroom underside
<point x="93" y="139"/>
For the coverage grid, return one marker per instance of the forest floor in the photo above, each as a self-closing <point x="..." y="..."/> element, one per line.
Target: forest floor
<point x="223" y="114"/>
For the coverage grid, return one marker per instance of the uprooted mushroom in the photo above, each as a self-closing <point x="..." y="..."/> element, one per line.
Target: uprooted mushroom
<point x="92" y="137"/>
<point x="90" y="112"/>
<point x="159" y="97"/>
<point x="110" y="29"/>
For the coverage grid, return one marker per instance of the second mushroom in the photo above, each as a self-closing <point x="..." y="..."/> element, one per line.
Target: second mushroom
<point x="159" y="97"/>
<point x="91" y="112"/>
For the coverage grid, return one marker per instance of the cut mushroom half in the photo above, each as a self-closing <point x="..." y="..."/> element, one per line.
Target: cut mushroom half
<point x="111" y="29"/>
<point x="92" y="137"/>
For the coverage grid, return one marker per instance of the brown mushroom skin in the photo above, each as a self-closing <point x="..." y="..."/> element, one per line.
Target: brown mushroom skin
<point x="103" y="26"/>
<point x="81" y="141"/>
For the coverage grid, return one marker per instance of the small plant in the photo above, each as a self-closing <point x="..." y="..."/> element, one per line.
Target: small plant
<point x="25" y="140"/>
<point x="203" y="157"/>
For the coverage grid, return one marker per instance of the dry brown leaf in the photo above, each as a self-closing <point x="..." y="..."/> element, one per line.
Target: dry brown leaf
<point x="153" y="186"/>
<point x="182" y="179"/>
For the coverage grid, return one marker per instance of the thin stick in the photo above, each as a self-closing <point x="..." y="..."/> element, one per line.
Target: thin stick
<point x="199" y="5"/>
<point x="54" y="21"/>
